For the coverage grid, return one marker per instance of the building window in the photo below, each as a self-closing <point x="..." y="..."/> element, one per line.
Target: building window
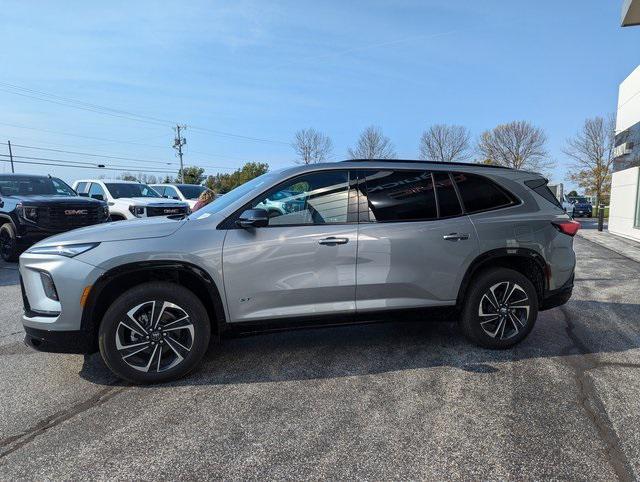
<point x="636" y="224"/>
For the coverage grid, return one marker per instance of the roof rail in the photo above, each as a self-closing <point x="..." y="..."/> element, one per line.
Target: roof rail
<point x="418" y="161"/>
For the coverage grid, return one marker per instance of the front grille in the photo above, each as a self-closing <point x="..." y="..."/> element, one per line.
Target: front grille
<point x="167" y="210"/>
<point x="69" y="216"/>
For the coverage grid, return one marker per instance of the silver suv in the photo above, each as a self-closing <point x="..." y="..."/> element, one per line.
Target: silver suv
<point x="358" y="240"/>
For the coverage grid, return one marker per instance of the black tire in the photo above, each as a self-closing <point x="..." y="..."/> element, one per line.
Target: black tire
<point x="189" y="343"/>
<point x="477" y="321"/>
<point x="8" y="244"/>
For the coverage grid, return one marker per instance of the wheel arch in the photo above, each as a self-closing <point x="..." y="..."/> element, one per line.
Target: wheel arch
<point x="5" y="218"/>
<point x="120" y="279"/>
<point x="526" y="261"/>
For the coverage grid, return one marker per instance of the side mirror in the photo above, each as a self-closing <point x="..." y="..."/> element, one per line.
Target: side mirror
<point x="256" y="218"/>
<point x="99" y="197"/>
<point x="83" y="194"/>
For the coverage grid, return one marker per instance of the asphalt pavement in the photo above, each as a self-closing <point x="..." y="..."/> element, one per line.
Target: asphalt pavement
<point x="390" y="400"/>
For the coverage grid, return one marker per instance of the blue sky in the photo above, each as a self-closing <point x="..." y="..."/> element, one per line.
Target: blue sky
<point x="265" y="69"/>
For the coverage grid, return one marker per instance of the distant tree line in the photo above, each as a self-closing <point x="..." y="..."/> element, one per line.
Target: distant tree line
<point x="516" y="144"/>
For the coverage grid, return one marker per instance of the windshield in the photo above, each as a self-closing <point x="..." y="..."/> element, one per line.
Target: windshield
<point x="34" y="186"/>
<point x="119" y="190"/>
<point x="191" y="191"/>
<point x="232" y="196"/>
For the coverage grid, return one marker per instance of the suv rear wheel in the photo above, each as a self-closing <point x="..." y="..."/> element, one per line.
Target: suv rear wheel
<point x="8" y="245"/>
<point x="154" y="332"/>
<point x="500" y="309"/>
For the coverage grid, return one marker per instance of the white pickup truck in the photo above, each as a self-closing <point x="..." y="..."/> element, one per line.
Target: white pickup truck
<point x="129" y="199"/>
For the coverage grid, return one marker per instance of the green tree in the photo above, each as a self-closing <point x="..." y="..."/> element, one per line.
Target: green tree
<point x="192" y="175"/>
<point x="573" y="193"/>
<point x="223" y="183"/>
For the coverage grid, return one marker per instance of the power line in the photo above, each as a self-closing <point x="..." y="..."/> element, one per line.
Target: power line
<point x="39" y="163"/>
<point x="104" y="156"/>
<point x="115" y="141"/>
<point x="95" y="108"/>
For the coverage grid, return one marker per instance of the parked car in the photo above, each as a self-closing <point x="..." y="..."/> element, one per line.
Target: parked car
<point x="283" y="202"/>
<point x="369" y="240"/>
<point x="35" y="207"/>
<point x="567" y="205"/>
<point x="130" y="199"/>
<point x="581" y="206"/>
<point x="188" y="193"/>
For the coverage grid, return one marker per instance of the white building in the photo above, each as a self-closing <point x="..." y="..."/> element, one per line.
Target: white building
<point x="624" y="210"/>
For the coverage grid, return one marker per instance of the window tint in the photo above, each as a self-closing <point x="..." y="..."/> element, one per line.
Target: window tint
<point x="81" y="187"/>
<point x="119" y="190"/>
<point x="32" y="186"/>
<point x="96" y="189"/>
<point x="159" y="189"/>
<point x="399" y="195"/>
<point x="479" y="193"/>
<point x="448" y="202"/>
<point x="540" y="187"/>
<point x="317" y="198"/>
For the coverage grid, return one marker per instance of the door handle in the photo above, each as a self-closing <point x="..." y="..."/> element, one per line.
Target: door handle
<point x="331" y="241"/>
<point x="455" y="237"/>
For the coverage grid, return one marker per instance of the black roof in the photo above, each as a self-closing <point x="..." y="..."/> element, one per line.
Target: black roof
<point x="17" y="174"/>
<point x="418" y="161"/>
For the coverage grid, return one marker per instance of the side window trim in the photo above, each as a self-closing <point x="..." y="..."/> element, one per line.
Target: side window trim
<point x="230" y="221"/>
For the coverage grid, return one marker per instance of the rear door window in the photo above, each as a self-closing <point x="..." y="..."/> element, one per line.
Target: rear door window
<point x="403" y="195"/>
<point x="481" y="194"/>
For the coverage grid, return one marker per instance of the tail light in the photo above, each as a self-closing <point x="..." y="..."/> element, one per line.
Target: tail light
<point x="570" y="228"/>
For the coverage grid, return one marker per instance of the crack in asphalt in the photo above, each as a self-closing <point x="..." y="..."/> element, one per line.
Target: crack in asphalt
<point x="582" y="362"/>
<point x="15" y="442"/>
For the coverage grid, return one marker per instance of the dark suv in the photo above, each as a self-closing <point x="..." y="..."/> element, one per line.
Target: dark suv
<point x="35" y="207"/>
<point x="581" y="207"/>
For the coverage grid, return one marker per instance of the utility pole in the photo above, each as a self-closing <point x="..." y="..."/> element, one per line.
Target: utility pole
<point x="178" y="142"/>
<point x="10" y="156"/>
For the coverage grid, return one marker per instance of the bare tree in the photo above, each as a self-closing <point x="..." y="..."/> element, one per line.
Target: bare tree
<point x="445" y="143"/>
<point x="517" y="144"/>
<point x="372" y="144"/>
<point x="591" y="151"/>
<point x="311" y="146"/>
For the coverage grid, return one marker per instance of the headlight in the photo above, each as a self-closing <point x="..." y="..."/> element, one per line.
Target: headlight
<point x="49" y="286"/>
<point x="69" y="250"/>
<point x="30" y="213"/>
<point x="137" y="210"/>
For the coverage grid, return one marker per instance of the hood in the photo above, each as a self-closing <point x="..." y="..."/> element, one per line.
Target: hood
<point x="151" y="201"/>
<point x="582" y="205"/>
<point x="154" y="227"/>
<point x="50" y="199"/>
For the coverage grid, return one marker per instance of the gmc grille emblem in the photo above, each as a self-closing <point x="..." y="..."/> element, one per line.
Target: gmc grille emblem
<point x="76" y="212"/>
<point x="171" y="211"/>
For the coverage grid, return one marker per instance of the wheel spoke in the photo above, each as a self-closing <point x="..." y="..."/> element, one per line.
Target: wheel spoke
<point x="500" y="325"/>
<point x="131" y="316"/>
<point x="514" y="319"/>
<point x="121" y="347"/>
<point x="178" y="343"/>
<point x="495" y="317"/>
<point x="136" y="352"/>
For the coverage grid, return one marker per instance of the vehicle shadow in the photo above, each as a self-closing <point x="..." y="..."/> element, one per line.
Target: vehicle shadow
<point x="325" y="353"/>
<point x="9" y="274"/>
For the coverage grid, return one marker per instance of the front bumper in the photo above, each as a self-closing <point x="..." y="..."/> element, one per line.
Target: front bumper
<point x="60" y="341"/>
<point x="70" y="276"/>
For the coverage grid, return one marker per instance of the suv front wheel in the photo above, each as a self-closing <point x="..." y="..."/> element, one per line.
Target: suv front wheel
<point x="500" y="309"/>
<point x="154" y="332"/>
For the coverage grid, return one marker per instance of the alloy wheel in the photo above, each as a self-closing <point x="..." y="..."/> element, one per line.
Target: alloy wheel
<point x="155" y="336"/>
<point x="504" y="310"/>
